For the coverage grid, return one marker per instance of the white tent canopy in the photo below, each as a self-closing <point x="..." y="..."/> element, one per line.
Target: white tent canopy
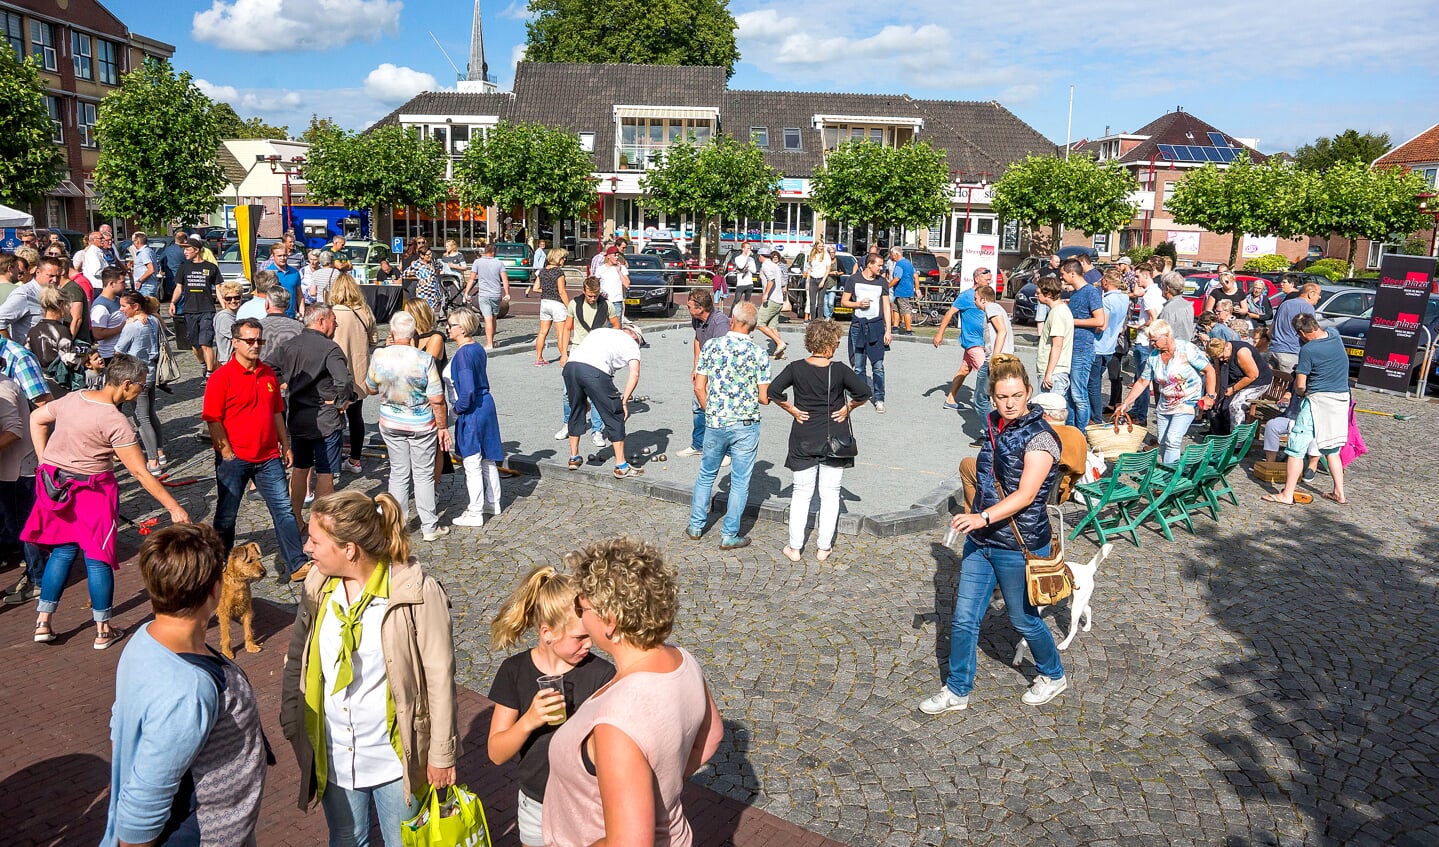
<point x="15" y="218"/>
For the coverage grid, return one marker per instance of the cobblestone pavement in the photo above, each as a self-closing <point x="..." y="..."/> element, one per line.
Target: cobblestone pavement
<point x="1270" y="680"/>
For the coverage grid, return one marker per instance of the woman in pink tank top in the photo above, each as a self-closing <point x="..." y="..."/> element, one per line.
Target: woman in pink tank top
<point x="620" y="762"/>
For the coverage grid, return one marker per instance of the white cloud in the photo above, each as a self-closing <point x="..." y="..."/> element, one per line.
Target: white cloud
<point x="268" y="26"/>
<point x="518" y="10"/>
<point x="517" y="54"/>
<point x="395" y="84"/>
<point x="227" y="93"/>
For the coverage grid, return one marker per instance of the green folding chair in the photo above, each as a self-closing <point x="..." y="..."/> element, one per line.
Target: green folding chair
<point x="1213" y="469"/>
<point x="1171" y="489"/>
<point x="1112" y="490"/>
<point x="1218" y="486"/>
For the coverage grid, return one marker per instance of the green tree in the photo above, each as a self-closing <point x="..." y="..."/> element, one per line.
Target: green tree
<point x="158" y="138"/>
<point x="233" y="126"/>
<point x="1354" y="201"/>
<point x="707" y="180"/>
<point x="864" y="182"/>
<point x="1079" y="193"/>
<point x="1348" y="146"/>
<point x="1267" y="262"/>
<point x="388" y="165"/>
<point x="318" y="126"/>
<point x="29" y="161"/>
<point x="1264" y="199"/>
<point x="641" y="32"/>
<point x="528" y="165"/>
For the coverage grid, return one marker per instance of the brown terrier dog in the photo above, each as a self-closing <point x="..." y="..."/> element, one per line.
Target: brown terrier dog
<point x="243" y="568"/>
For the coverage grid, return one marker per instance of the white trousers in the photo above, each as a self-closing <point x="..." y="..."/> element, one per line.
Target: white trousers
<point x="804" y="484"/>
<point x="482" y="478"/>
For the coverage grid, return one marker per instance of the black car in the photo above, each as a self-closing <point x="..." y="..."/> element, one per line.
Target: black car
<point x="1026" y="303"/>
<point x="1354" y="331"/>
<point x="670" y="257"/>
<point x="926" y="266"/>
<point x="651" y="287"/>
<point x="1022" y="274"/>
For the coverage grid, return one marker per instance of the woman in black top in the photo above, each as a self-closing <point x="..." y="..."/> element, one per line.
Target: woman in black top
<point x="820" y="413"/>
<point x="554" y="303"/>
<point x="1228" y="289"/>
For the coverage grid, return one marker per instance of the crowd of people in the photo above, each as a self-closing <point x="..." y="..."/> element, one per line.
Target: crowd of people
<point x="604" y="747"/>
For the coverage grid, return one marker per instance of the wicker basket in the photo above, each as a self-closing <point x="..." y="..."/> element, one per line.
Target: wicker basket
<point x="1117" y="438"/>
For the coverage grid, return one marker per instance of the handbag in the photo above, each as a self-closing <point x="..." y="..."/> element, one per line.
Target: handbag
<point x="1047" y="579"/>
<point x="841" y="446"/>
<point x="460" y="820"/>
<point x="167" y="371"/>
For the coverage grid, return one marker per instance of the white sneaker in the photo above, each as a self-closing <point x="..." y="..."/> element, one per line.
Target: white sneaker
<point x="309" y="497"/>
<point x="944" y="701"/>
<point x="562" y="434"/>
<point x="469" y="519"/>
<point x="599" y="439"/>
<point x="690" y="451"/>
<point x="1044" y="689"/>
<point x="436" y="534"/>
<point x="879" y="406"/>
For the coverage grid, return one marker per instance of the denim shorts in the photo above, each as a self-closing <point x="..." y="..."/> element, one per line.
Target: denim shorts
<point x="489" y="306"/>
<point x="323" y="454"/>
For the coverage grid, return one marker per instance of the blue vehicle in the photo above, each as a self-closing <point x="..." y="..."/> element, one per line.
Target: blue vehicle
<point x="316" y="226"/>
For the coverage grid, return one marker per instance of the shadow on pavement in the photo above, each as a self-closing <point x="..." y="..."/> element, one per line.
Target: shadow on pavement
<point x="65" y="798"/>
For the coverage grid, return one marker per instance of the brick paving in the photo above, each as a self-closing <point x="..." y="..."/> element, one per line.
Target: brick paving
<point x="1270" y="680"/>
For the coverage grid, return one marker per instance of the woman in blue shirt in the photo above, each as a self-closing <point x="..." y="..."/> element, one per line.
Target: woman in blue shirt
<point x="477" y="425"/>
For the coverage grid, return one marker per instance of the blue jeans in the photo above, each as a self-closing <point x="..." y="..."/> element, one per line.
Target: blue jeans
<point x="595" y="423"/>
<point x="17" y="500"/>
<point x="1080" y="365"/>
<point x="1097" y="371"/>
<point x="829" y="304"/>
<point x="98" y="575"/>
<point x="866" y="344"/>
<point x="980" y="569"/>
<point x="347" y="812"/>
<point x="231" y="476"/>
<point x="981" y="392"/>
<point x="697" y="430"/>
<point x="1140" y="410"/>
<point x="741" y="442"/>
<point x="1171" y="433"/>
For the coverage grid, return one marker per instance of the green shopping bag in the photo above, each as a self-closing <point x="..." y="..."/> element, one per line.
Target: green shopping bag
<point x="458" y="822"/>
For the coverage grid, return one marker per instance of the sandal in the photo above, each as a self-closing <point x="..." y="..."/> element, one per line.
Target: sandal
<point x="105" y="639"/>
<point x="153" y="468"/>
<point x="1329" y="495"/>
<point x="43" y="633"/>
<point x="576" y="463"/>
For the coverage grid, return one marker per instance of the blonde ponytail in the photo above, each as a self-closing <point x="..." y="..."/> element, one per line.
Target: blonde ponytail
<point x="375" y="526"/>
<point x="544" y="597"/>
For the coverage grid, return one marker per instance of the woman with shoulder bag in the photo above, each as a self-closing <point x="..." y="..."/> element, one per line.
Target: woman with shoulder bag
<point x="372" y="639"/>
<point x="1017" y="469"/>
<point x="821" y="443"/>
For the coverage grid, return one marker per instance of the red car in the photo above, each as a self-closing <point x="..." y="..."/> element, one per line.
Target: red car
<point x="1198" y="286"/>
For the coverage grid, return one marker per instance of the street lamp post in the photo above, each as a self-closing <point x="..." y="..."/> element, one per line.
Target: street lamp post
<point x="281" y="165"/>
<point x="1427" y="206"/>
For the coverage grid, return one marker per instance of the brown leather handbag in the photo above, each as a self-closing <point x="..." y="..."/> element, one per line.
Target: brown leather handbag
<point x="1047" y="579"/>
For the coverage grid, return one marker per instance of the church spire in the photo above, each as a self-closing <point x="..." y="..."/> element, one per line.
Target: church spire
<point x="478" y="70"/>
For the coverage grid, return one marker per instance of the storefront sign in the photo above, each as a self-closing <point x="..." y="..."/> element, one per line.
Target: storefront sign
<point x="980" y="251"/>
<point x="1259" y="245"/>
<point x="1391" y="347"/>
<point x="1185" y="243"/>
<point x="794" y="188"/>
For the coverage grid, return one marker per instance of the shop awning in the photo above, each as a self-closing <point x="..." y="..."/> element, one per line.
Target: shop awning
<point x="66" y="188"/>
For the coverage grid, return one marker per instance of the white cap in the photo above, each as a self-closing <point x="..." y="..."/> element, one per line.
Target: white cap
<point x="1051" y="403"/>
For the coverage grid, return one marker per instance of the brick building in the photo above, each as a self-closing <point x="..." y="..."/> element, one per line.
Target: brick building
<point x="84" y="51"/>
<point x="1160" y="154"/>
<point x="626" y="115"/>
<point x="1419" y="154"/>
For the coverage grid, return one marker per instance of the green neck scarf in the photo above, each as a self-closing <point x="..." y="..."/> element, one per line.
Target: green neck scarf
<point x="378" y="585"/>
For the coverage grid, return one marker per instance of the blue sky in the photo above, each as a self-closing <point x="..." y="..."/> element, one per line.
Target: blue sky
<point x="1284" y="71"/>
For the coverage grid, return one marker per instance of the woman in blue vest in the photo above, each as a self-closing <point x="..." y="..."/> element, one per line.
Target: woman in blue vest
<point x="1017" y="469"/>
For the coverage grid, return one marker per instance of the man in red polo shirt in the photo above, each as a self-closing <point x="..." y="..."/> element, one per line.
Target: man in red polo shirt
<point x="246" y="416"/>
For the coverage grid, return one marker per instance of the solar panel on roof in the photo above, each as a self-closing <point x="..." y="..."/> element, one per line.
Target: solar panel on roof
<point x="1167" y="151"/>
<point x="1198" y="154"/>
<point x="1213" y="154"/>
<point x="1230" y="154"/>
<point x="1217" y="139"/>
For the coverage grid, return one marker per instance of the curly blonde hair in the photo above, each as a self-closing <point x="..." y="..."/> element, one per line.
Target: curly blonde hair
<point x="628" y="579"/>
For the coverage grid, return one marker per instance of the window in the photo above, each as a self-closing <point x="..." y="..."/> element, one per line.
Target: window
<point x="759" y="135"/>
<point x="1101" y="243"/>
<point x="1429" y="175"/>
<point x="1377" y="251"/>
<point x="109" y="56"/>
<point x="587" y="142"/>
<point x="57" y="122"/>
<point x="14" y="28"/>
<point x="42" y="44"/>
<point x="85" y="121"/>
<point x="82" y="51"/>
<point x="793" y="139"/>
<point x="641" y="141"/>
<point x="1168" y="194"/>
<point x="1009" y="237"/>
<point x="459" y="139"/>
<point x="831" y="137"/>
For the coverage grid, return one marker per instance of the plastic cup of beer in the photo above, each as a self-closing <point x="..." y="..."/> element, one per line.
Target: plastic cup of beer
<point x="554" y="683"/>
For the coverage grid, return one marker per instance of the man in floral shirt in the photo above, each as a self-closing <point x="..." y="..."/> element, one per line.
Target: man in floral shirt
<point x="731" y="381"/>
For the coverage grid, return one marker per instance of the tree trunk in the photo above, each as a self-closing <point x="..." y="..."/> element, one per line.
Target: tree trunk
<point x="1053" y="237"/>
<point x="1349" y="258"/>
<point x="1234" y="249"/>
<point x="702" y="227"/>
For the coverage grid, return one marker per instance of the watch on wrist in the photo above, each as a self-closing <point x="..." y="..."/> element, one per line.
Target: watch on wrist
<point x="985" y="515"/>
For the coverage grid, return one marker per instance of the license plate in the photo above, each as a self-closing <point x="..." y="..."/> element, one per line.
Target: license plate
<point x="632" y="301"/>
<point x="1353" y="351"/>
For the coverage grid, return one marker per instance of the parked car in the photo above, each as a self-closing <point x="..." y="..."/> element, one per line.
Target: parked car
<point x="231" y="268"/>
<point x="517" y="258"/>
<point x="1355" y="330"/>
<point x="670" y="256"/>
<point x="1360" y="281"/>
<point x="796" y="285"/>
<point x="651" y="287"/>
<point x="74" y="241"/>
<point x="1198" y="285"/>
<point x="1022" y="274"/>
<point x="218" y="238"/>
<point x="1067" y="253"/>
<point x="926" y="266"/>
<point x="1338" y="303"/>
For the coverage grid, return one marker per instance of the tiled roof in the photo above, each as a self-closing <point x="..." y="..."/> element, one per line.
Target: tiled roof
<point x="450" y="103"/>
<point x="1178" y="128"/>
<point x="234" y="171"/>
<point x="1422" y="148"/>
<point x="582" y="98"/>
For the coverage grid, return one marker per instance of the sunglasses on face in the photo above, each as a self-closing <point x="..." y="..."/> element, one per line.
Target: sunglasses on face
<point x="253" y="342"/>
<point x="235" y="299"/>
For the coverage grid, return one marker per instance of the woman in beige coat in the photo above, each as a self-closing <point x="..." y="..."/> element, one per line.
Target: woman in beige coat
<point x="371" y="639"/>
<point x="355" y="333"/>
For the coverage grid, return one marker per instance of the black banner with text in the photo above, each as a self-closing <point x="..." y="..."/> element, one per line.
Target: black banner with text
<point x="1391" y="348"/>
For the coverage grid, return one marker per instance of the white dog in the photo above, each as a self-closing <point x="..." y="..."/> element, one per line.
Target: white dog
<point x="1079" y="601"/>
